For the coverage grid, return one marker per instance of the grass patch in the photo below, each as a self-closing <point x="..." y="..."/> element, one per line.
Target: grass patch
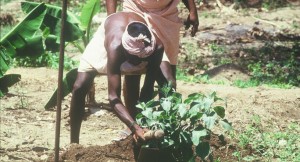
<point x="255" y="83"/>
<point x="272" y="64"/>
<point x="181" y="75"/>
<point x="207" y="15"/>
<point x="268" y="143"/>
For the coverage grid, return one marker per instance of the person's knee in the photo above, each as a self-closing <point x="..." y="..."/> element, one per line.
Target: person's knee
<point x="77" y="87"/>
<point x="83" y="83"/>
<point x="81" y="88"/>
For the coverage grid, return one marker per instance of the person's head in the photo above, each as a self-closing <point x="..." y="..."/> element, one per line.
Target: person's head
<point x="135" y="29"/>
<point x="139" y="42"/>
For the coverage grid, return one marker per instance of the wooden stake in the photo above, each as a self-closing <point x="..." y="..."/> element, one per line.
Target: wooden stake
<point x="60" y="78"/>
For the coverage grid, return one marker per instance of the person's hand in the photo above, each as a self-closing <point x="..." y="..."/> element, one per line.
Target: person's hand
<point x="138" y="135"/>
<point x="193" y="20"/>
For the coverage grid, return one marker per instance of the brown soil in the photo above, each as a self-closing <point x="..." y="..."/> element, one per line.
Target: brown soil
<point x="118" y="151"/>
<point x="27" y="131"/>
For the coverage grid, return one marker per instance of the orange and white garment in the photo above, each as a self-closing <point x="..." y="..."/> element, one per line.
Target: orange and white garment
<point x="95" y="54"/>
<point x="162" y="17"/>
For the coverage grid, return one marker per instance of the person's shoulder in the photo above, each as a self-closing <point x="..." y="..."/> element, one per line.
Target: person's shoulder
<point x="123" y="17"/>
<point x="118" y="17"/>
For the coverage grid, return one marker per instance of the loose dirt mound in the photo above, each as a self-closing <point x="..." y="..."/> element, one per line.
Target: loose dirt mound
<point x="119" y="152"/>
<point x="123" y="151"/>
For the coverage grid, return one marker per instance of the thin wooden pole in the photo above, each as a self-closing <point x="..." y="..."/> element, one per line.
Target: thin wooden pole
<point x="60" y="78"/>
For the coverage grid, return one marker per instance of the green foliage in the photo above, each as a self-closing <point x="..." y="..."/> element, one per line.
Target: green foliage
<point x="6" y="1"/>
<point x="52" y="22"/>
<point x="186" y="123"/>
<point x="22" y="38"/>
<point x="246" y="84"/>
<point x="217" y="49"/>
<point x="41" y="27"/>
<point x="47" y="59"/>
<point x="67" y="87"/>
<point x="88" y="11"/>
<point x="22" y="41"/>
<point x="281" y="144"/>
<point x="275" y="65"/>
<point x="205" y="79"/>
<point x="31" y="41"/>
<point x="255" y="83"/>
<point x="273" y="4"/>
<point x="5" y="61"/>
<point x="210" y="14"/>
<point x="219" y="52"/>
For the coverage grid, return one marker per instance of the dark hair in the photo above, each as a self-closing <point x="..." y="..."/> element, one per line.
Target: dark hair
<point x="135" y="29"/>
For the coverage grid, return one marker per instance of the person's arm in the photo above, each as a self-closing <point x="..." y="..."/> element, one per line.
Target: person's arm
<point x="111" y="6"/>
<point x="114" y="59"/>
<point x="153" y="69"/>
<point x="193" y="16"/>
<point x="114" y="86"/>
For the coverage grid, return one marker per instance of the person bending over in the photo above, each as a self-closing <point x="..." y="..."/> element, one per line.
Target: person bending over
<point x="123" y="44"/>
<point x="162" y="17"/>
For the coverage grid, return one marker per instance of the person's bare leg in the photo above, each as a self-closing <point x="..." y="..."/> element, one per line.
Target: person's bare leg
<point x="90" y="98"/>
<point x="81" y="87"/>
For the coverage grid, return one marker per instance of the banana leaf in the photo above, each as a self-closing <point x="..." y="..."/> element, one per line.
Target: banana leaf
<point x="52" y="21"/>
<point x="23" y="31"/>
<point x="33" y="47"/>
<point x="41" y="26"/>
<point x="23" y="34"/>
<point x="90" y="8"/>
<point x="55" y="11"/>
<point x="7" y="81"/>
<point x="67" y="87"/>
<point x="5" y="61"/>
<point x="51" y="43"/>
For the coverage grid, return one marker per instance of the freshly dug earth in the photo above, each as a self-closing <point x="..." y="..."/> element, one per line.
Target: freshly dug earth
<point x="27" y="130"/>
<point x="124" y="151"/>
<point x="118" y="151"/>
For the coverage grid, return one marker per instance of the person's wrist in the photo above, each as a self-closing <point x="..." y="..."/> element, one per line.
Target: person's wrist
<point x="132" y="126"/>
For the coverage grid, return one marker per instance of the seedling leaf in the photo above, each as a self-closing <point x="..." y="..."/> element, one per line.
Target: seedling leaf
<point x="203" y="149"/>
<point x="220" y="111"/>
